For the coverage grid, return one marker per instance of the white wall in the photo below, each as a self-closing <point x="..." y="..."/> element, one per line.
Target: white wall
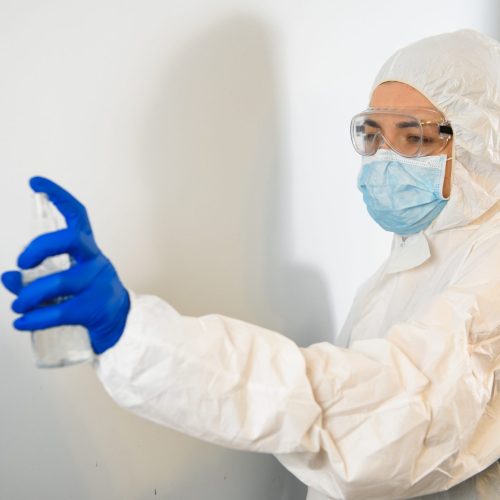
<point x="209" y="141"/>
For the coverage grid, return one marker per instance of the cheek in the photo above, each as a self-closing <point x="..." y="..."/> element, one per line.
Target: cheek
<point x="449" y="165"/>
<point x="449" y="149"/>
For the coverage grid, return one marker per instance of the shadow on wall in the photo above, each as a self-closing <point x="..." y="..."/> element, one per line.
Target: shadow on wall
<point x="218" y="214"/>
<point x="214" y="169"/>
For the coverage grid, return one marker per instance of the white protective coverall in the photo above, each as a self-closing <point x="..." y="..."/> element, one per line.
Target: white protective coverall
<point x="406" y="403"/>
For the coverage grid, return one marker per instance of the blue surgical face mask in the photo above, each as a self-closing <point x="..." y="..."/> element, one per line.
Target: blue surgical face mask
<point x="403" y="195"/>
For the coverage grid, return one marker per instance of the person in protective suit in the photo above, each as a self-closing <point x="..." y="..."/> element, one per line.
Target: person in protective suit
<point x="406" y="402"/>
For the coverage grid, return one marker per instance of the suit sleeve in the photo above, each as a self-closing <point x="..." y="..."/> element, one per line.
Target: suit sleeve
<point x="406" y="415"/>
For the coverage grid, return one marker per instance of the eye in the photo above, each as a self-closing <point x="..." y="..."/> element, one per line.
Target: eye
<point x="413" y="139"/>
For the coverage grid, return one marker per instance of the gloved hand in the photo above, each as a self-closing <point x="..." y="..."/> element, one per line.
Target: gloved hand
<point x="96" y="298"/>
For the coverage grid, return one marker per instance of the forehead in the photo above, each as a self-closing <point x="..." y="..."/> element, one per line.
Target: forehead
<point x="398" y="95"/>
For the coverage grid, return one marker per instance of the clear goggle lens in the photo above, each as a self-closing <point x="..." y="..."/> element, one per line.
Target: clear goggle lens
<point x="409" y="132"/>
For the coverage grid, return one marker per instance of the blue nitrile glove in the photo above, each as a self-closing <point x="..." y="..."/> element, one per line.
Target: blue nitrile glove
<point x="97" y="299"/>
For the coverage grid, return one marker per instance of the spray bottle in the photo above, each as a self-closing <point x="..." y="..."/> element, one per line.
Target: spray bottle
<point x="62" y="345"/>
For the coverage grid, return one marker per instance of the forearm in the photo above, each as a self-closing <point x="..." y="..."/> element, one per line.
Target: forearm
<point x="215" y="378"/>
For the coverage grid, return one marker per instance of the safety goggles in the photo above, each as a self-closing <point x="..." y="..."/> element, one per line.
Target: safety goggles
<point x="409" y="132"/>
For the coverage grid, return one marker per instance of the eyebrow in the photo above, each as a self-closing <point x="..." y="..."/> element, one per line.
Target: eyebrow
<point x="371" y="123"/>
<point x="407" y="124"/>
<point x="411" y="124"/>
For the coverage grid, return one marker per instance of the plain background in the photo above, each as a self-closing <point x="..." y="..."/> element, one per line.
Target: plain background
<point x="209" y="141"/>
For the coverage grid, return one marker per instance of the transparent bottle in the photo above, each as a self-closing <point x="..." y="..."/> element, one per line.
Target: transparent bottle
<point x="62" y="345"/>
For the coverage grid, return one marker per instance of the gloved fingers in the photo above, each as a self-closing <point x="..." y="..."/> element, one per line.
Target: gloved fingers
<point x="13" y="281"/>
<point x="73" y="211"/>
<point x="47" y="288"/>
<point x="77" y="244"/>
<point x="47" y="317"/>
<point x="46" y="245"/>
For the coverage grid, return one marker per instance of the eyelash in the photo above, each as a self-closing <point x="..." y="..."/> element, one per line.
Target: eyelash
<point x="425" y="140"/>
<point x="410" y="138"/>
